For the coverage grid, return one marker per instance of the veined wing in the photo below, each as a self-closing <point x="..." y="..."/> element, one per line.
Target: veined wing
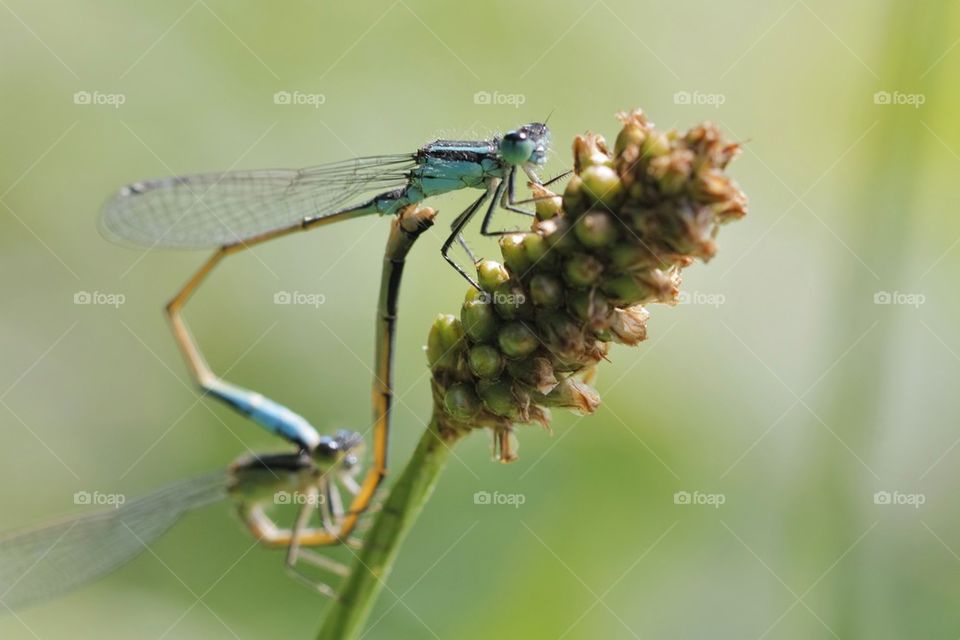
<point x="217" y="209"/>
<point x="40" y="563"/>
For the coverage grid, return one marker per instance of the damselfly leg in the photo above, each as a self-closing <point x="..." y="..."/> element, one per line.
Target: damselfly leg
<point x="313" y="486"/>
<point x="461" y="221"/>
<point x="509" y="202"/>
<point x="501" y="194"/>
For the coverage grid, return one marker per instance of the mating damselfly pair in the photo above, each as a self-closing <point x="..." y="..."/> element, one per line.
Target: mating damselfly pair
<point x="233" y="211"/>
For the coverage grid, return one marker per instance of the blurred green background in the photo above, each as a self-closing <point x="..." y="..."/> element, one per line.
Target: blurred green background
<point x="783" y="386"/>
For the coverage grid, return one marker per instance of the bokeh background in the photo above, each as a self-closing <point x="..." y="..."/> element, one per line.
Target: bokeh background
<point x="784" y="389"/>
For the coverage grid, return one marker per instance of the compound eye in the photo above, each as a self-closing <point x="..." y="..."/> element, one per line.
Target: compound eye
<point x="327" y="449"/>
<point x="516" y="147"/>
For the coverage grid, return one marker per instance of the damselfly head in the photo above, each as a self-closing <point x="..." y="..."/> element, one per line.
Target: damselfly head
<point x="526" y="145"/>
<point x="343" y="448"/>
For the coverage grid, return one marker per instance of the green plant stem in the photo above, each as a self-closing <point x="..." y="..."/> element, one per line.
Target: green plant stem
<point x="374" y="562"/>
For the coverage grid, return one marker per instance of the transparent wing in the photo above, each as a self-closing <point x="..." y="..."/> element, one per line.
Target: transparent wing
<point x="216" y="209"/>
<point x="40" y="563"/>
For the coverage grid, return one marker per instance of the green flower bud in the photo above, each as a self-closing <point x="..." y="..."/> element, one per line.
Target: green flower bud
<point x="602" y="184"/>
<point x="512" y="302"/>
<point x="604" y="335"/>
<point x="474" y="294"/>
<point x="627" y="289"/>
<point x="589" y="306"/>
<point x="657" y="144"/>
<point x="573" y="195"/>
<point x="546" y="290"/>
<point x="627" y="256"/>
<point x="547" y="203"/>
<point x="589" y="150"/>
<point x="485" y="361"/>
<point x="558" y="234"/>
<point x="630" y="136"/>
<point x="672" y="171"/>
<point x="562" y="335"/>
<point x="582" y="270"/>
<point x="517" y="340"/>
<point x="461" y="402"/>
<point x="444" y="342"/>
<point x="479" y="319"/>
<point x="596" y="229"/>
<point x="534" y="372"/>
<point x="536" y="248"/>
<point x="499" y="399"/>
<point x="514" y="253"/>
<point x="491" y="274"/>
